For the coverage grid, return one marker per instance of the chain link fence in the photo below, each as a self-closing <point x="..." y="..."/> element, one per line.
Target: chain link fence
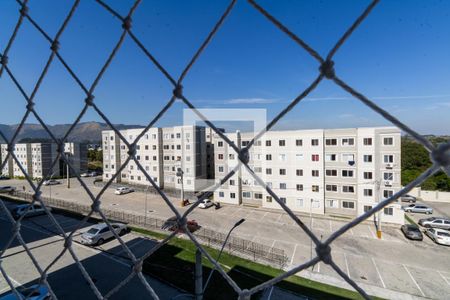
<point x="440" y="155"/>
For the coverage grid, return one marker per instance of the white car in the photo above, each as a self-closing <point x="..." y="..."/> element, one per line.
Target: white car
<point x="25" y="209"/>
<point x="7" y="189"/>
<point x="51" y="182"/>
<point x="206" y="203"/>
<point x="98" y="234"/>
<point x="123" y="190"/>
<point x="439" y="236"/>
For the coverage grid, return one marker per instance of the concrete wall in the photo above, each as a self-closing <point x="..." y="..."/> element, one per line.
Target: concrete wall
<point x="433" y="196"/>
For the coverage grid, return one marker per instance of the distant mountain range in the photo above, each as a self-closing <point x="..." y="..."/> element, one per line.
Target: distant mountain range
<point x="90" y="132"/>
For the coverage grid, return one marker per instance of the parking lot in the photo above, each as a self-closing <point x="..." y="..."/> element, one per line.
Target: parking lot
<point x="107" y="264"/>
<point x="391" y="264"/>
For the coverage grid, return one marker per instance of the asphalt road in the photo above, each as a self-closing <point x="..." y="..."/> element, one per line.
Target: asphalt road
<point x="107" y="265"/>
<point x="394" y="263"/>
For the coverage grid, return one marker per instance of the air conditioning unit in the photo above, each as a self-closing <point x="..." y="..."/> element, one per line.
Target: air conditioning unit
<point x="388" y="183"/>
<point x="389" y="166"/>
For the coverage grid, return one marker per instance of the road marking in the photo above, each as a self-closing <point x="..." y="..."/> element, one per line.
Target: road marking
<point x="331" y="227"/>
<point x="15" y="283"/>
<point x="293" y="254"/>
<point x="443" y="277"/>
<point x="278" y="220"/>
<point x="351" y="231"/>
<point x="312" y="223"/>
<point x="318" y="267"/>
<point x="379" y="275"/>
<point x="371" y="231"/>
<point x="412" y="278"/>
<point x="346" y="265"/>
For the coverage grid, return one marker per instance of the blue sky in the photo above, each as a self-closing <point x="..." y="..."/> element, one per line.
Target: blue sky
<point x="398" y="57"/>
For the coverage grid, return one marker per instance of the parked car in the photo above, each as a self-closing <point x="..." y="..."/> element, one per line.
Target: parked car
<point x="99" y="233"/>
<point x="86" y="174"/>
<point x="205" y="203"/>
<point x="34" y="292"/>
<point x="28" y="210"/>
<point x="51" y="182"/>
<point x="418" y="208"/>
<point x="123" y="190"/>
<point x="4" y="177"/>
<point x="439" y="236"/>
<point x="435" y="222"/>
<point x="7" y="189"/>
<point x="172" y="225"/>
<point x="90" y="174"/>
<point x="409" y="198"/>
<point x="412" y="232"/>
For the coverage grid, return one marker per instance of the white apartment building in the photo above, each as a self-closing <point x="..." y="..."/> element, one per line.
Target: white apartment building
<point x="336" y="171"/>
<point x="161" y="151"/>
<point x="37" y="159"/>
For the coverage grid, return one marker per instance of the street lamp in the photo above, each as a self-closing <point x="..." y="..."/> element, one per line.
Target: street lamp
<point x="146" y="191"/>
<point x="221" y="250"/>
<point x="180" y="174"/>
<point x="51" y="176"/>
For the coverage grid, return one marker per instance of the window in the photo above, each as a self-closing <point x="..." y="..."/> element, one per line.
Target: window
<point x="348" y="189"/>
<point x="299" y="172"/>
<point x="282" y="171"/>
<point x="232" y="182"/>
<point x="367" y="208"/>
<point x="281" y="143"/>
<point x="283" y="199"/>
<point x="315" y="188"/>
<point x="258" y="196"/>
<point x="332" y="203"/>
<point x="331" y="142"/>
<point x="315" y="173"/>
<point x="368" y="158"/>
<point x="268" y="156"/>
<point x="268" y="143"/>
<point x="245" y="143"/>
<point x="348" y="157"/>
<point x="388" y="159"/>
<point x="367" y="141"/>
<point x="282" y="157"/>
<point x="331" y="188"/>
<point x="388" y="141"/>
<point x="299" y="142"/>
<point x="348" y="204"/>
<point x="269" y="171"/>
<point x="368" y="192"/>
<point x="219" y="144"/>
<point x="330" y="157"/>
<point x="282" y="186"/>
<point x="258" y="169"/>
<point x="299" y="202"/>
<point x="347" y="173"/>
<point x="299" y="156"/>
<point x="348" y="142"/>
<point x="314" y="142"/>
<point x="388" y="176"/>
<point x="388" y="193"/>
<point x="389" y="211"/>
<point x="367" y="175"/>
<point x="268" y="198"/>
<point x="221" y="194"/>
<point x="299" y="187"/>
<point x="246" y="194"/>
<point x="331" y="172"/>
<point x="315" y="203"/>
<point x="220" y="156"/>
<point x="315" y="157"/>
<point x="220" y="169"/>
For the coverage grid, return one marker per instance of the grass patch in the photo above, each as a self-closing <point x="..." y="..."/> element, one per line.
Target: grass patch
<point x="410" y="221"/>
<point x="175" y="263"/>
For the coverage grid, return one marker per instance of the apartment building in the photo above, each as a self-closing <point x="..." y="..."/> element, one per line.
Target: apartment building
<point x="336" y="171"/>
<point x="161" y="151"/>
<point x="37" y="159"/>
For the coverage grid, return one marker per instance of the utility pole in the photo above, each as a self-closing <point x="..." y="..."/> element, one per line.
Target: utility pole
<point x="67" y="171"/>
<point x="378" y="185"/>
<point x="180" y="174"/>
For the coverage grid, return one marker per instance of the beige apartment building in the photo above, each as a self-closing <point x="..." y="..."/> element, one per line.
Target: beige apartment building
<point x="336" y="171"/>
<point x="161" y="151"/>
<point x="37" y="159"/>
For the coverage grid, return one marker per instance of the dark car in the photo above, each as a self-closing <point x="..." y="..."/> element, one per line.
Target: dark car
<point x="412" y="232"/>
<point x="171" y="224"/>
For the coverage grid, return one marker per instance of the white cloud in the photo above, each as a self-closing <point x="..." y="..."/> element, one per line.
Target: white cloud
<point x="251" y="101"/>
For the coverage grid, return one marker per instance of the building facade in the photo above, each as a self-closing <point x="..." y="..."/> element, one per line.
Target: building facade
<point x="336" y="172"/>
<point x="37" y="159"/>
<point x="161" y="152"/>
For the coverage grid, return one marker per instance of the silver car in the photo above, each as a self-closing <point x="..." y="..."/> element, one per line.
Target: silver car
<point x="439" y="236"/>
<point x="409" y="198"/>
<point x="123" y="190"/>
<point x="418" y="208"/>
<point x="7" y="189"/>
<point x="28" y="210"/>
<point x="99" y="233"/>
<point x="435" y="223"/>
<point x="51" y="182"/>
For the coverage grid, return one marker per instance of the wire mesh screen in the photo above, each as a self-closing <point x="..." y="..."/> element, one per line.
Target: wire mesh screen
<point x="440" y="155"/>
